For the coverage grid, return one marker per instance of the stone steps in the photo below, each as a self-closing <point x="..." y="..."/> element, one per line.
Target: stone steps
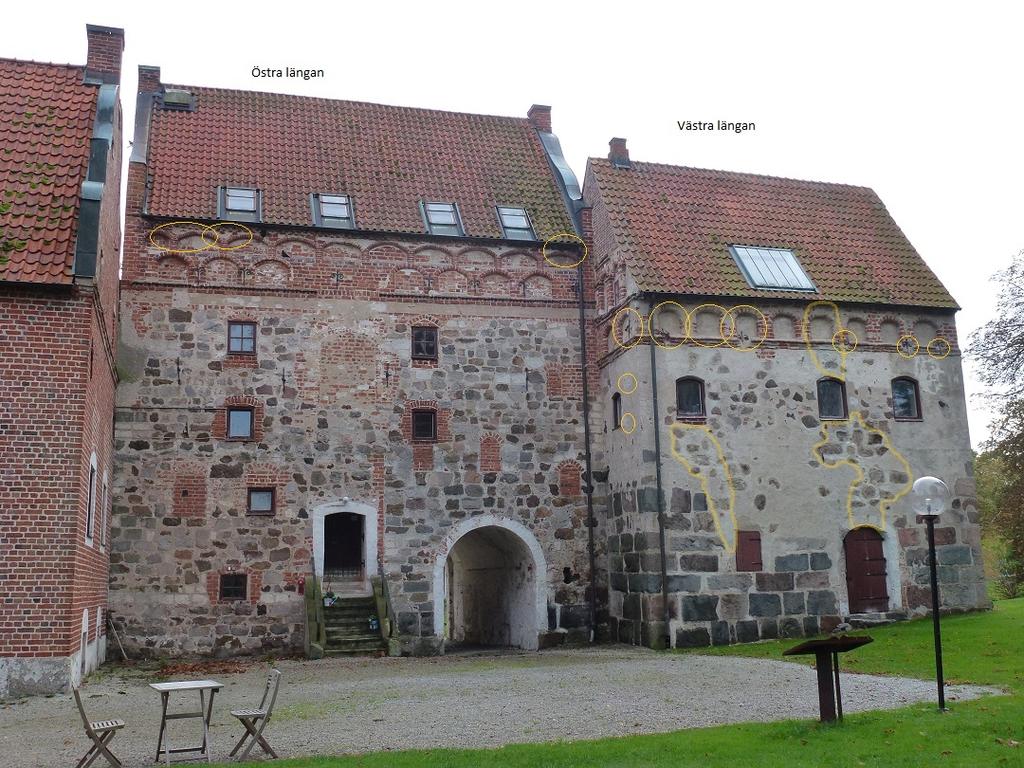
<point x="877" y="619"/>
<point x="347" y="624"/>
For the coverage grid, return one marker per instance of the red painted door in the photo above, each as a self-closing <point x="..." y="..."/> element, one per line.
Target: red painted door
<point x="865" y="571"/>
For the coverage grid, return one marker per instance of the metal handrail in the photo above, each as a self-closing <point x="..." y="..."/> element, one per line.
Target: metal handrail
<point x="316" y="625"/>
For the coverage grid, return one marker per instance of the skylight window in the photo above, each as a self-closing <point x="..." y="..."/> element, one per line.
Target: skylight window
<point x="771" y="268"/>
<point x="240" y="204"/>
<point x="516" y="223"/>
<point x="333" y="211"/>
<point x="442" y="219"/>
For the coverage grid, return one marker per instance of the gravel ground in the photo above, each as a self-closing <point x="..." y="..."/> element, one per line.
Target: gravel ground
<point x="359" y="705"/>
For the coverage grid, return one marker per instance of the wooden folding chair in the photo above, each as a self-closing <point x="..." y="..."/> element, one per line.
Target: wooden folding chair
<point x="261" y="715"/>
<point x="102" y="733"/>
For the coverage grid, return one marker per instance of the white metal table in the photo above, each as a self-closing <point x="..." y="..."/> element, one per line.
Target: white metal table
<point x="163" y="746"/>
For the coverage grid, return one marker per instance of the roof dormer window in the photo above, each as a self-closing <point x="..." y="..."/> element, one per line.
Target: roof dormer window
<point x="337" y="211"/>
<point x="240" y="204"/>
<point x="442" y="219"/>
<point x="515" y="223"/>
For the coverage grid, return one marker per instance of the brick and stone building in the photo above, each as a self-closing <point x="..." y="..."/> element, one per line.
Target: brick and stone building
<point x="345" y="350"/>
<point x="778" y="365"/>
<point x="60" y="169"/>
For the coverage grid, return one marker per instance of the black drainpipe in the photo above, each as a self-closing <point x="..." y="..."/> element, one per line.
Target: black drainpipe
<point x="661" y="505"/>
<point x="588" y="487"/>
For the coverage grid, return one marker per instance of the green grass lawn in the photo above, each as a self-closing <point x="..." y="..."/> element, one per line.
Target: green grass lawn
<point x="985" y="648"/>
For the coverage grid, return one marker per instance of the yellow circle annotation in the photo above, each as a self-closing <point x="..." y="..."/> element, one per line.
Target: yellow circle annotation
<point x="230" y="224"/>
<point x="203" y="229"/>
<point x="571" y="236"/>
<point x="943" y="356"/>
<point x="899" y="346"/>
<point x="721" y="330"/>
<point x="763" y="323"/>
<point x="842" y="335"/>
<point x="686" y="325"/>
<point x="615" y="322"/>
<point x="629" y="376"/>
<point x="632" y="423"/>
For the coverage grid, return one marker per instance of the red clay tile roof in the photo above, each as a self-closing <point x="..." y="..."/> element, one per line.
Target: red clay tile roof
<point x="675" y="225"/>
<point x="46" y="119"/>
<point x="387" y="158"/>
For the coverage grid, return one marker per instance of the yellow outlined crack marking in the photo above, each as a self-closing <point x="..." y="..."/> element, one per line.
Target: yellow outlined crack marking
<point x="841" y="349"/>
<point x="726" y="529"/>
<point x="857" y="420"/>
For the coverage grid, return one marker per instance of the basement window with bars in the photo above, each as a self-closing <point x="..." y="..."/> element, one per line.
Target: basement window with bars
<point x="442" y="219"/>
<point x="337" y="211"/>
<point x="424" y="343"/>
<point x="261" y="501"/>
<point x="424" y="425"/>
<point x="516" y="223"/>
<point x="241" y="338"/>
<point x="240" y="204"/>
<point x="233" y="586"/>
<point x="773" y="269"/>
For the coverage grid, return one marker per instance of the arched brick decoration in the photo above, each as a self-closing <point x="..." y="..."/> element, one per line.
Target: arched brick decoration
<point x="220" y="418"/>
<point x="407" y="281"/>
<point x="569" y="481"/>
<point x="490" y="452"/>
<point x="271" y="272"/>
<point x="451" y="281"/>
<point x="220" y="270"/>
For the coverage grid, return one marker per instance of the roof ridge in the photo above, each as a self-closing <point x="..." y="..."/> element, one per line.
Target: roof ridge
<point x="42" y="63"/>
<point x="739" y="174"/>
<point x="207" y="89"/>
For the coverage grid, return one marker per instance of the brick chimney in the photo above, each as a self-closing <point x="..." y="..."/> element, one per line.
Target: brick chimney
<point x="618" y="153"/>
<point x="149" y="79"/>
<point x="540" y="116"/>
<point x="103" y="61"/>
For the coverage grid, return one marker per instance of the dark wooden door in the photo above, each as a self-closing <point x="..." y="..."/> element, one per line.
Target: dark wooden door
<point x="865" y="571"/>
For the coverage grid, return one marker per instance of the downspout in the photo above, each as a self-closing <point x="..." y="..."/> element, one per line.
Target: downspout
<point x="573" y="199"/>
<point x="588" y="489"/>
<point x="661" y="505"/>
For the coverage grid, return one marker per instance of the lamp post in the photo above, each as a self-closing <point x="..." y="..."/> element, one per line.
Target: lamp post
<point x="929" y="498"/>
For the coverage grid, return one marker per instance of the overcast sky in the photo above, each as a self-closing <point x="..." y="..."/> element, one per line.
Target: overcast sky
<point x="921" y="101"/>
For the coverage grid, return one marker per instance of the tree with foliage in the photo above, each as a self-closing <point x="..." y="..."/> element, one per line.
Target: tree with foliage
<point x="998" y="348"/>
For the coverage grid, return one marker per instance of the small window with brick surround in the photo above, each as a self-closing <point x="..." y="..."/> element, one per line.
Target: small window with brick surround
<point x="424" y="343"/>
<point x="748" y="551"/>
<point x="241" y="338"/>
<point x="233" y="586"/>
<point x="261" y="501"/>
<point x="424" y="425"/>
<point x="240" y="423"/>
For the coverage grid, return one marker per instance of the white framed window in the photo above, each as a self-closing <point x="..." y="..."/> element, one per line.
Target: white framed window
<point x="515" y="223"/>
<point x="104" y="506"/>
<point x="336" y="211"/>
<point x="442" y="219"/>
<point x="240" y="204"/>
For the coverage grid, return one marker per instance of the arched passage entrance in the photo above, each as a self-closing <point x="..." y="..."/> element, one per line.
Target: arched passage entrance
<point x="866" y="578"/>
<point x="490" y="586"/>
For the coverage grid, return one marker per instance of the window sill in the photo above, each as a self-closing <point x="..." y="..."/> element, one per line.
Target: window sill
<point x="692" y="419"/>
<point x="904" y="420"/>
<point x="251" y="513"/>
<point x="837" y="419"/>
<point x="424" y="440"/>
<point x="250" y="439"/>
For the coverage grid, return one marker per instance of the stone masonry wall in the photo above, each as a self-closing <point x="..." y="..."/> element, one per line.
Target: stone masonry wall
<point x="333" y="385"/>
<point x="762" y="461"/>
